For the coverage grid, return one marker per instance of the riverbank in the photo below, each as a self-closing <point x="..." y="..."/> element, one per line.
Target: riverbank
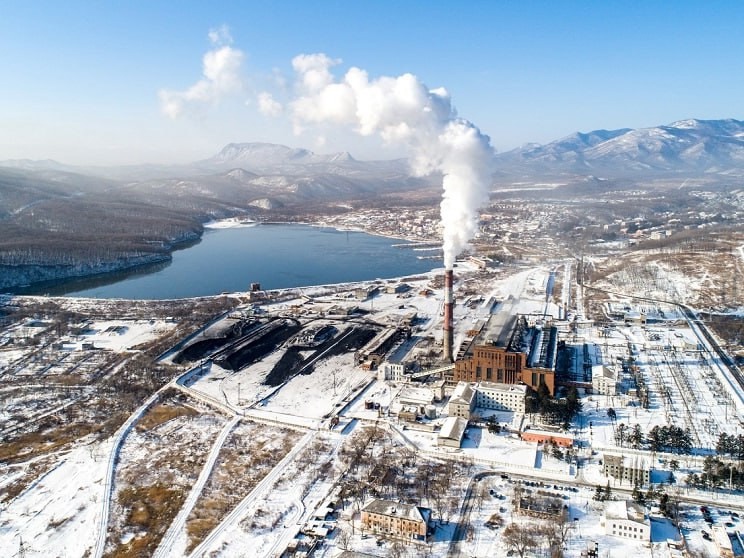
<point x="27" y="278"/>
<point x="236" y="222"/>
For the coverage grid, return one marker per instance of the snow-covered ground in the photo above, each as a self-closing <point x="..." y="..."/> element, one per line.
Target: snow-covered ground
<point x="685" y="383"/>
<point x="120" y="335"/>
<point x="57" y="515"/>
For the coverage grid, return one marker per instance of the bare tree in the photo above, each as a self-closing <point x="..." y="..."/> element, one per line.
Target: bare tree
<point x="397" y="550"/>
<point x="521" y="539"/>
<point x="343" y="539"/>
<point x="480" y="495"/>
<point x="561" y="527"/>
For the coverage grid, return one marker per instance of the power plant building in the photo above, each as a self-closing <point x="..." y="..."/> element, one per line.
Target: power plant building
<point x="486" y="395"/>
<point x="510" y="351"/>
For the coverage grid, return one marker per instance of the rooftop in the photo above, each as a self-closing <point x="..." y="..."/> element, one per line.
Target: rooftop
<point x="494" y="386"/>
<point x="463" y="393"/>
<point x="514" y="333"/>
<point x="397" y="509"/>
<point x="453" y="428"/>
<point x="625" y="509"/>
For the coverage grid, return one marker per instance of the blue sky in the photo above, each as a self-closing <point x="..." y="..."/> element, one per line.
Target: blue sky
<point x="81" y="80"/>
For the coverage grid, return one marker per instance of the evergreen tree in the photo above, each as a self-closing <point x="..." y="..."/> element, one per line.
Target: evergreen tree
<point x="620" y="434"/>
<point x="638" y="495"/>
<point x="636" y="437"/>
<point x="543" y="395"/>
<point x="573" y="403"/>
<point x="724" y="445"/>
<point x="650" y="493"/>
<point x="654" y="439"/>
<point x="599" y="494"/>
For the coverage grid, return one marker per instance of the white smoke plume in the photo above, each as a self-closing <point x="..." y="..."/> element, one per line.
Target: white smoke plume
<point x="221" y="76"/>
<point x="268" y="105"/>
<point x="404" y="110"/>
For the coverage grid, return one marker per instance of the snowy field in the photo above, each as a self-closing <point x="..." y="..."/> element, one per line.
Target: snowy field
<point x="57" y="515"/>
<point x="685" y="381"/>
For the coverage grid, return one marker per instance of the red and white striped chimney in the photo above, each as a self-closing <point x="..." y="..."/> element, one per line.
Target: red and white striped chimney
<point x="449" y="303"/>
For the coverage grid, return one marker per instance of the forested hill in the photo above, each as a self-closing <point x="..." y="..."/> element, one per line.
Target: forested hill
<point x="58" y="224"/>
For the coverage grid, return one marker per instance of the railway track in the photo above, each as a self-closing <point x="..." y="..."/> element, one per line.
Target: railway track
<point x="725" y="358"/>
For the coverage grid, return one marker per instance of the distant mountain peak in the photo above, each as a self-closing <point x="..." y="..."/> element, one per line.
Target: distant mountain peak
<point x="687" y="123"/>
<point x="690" y="144"/>
<point x="694" y="123"/>
<point x="240" y="174"/>
<point x="259" y="155"/>
<point x="340" y="157"/>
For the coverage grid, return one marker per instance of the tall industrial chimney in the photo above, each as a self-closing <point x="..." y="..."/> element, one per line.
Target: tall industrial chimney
<point x="449" y="303"/>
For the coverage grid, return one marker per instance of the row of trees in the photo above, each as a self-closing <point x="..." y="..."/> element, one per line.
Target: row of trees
<point x="673" y="439"/>
<point x="717" y="474"/>
<point x="670" y="438"/>
<point x="731" y="445"/>
<point x="626" y="436"/>
<point x="554" y="411"/>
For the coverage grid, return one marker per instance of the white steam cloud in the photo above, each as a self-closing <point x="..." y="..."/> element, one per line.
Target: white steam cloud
<point x="220" y="35"/>
<point x="398" y="109"/>
<point x="403" y="110"/>
<point x="268" y="105"/>
<point x="221" y="76"/>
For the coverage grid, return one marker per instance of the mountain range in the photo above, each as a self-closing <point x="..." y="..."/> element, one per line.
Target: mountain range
<point x="691" y="146"/>
<point x="60" y="221"/>
<point x="699" y="146"/>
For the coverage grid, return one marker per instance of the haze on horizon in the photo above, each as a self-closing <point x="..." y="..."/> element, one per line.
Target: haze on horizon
<point x="138" y="82"/>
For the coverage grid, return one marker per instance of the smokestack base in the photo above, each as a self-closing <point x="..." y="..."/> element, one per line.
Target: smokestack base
<point x="448" y="327"/>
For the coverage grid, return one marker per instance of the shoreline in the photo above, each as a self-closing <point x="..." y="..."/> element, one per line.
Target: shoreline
<point x="52" y="283"/>
<point x="236" y="222"/>
<point x="300" y="291"/>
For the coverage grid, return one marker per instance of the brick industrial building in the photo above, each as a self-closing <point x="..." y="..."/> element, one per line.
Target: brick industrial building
<point x="396" y="520"/>
<point x="509" y="351"/>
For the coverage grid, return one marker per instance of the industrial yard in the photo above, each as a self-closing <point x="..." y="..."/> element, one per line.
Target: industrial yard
<point x="372" y="281"/>
<point x="352" y="375"/>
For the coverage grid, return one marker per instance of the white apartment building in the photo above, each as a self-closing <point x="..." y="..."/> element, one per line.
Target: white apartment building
<point x="626" y="519"/>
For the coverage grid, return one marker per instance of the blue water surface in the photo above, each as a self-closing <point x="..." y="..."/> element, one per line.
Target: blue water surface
<point x="276" y="256"/>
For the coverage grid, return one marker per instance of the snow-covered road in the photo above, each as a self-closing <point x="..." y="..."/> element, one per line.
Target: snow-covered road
<point x="118" y="441"/>
<point x="165" y="548"/>
<point x="266" y="483"/>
